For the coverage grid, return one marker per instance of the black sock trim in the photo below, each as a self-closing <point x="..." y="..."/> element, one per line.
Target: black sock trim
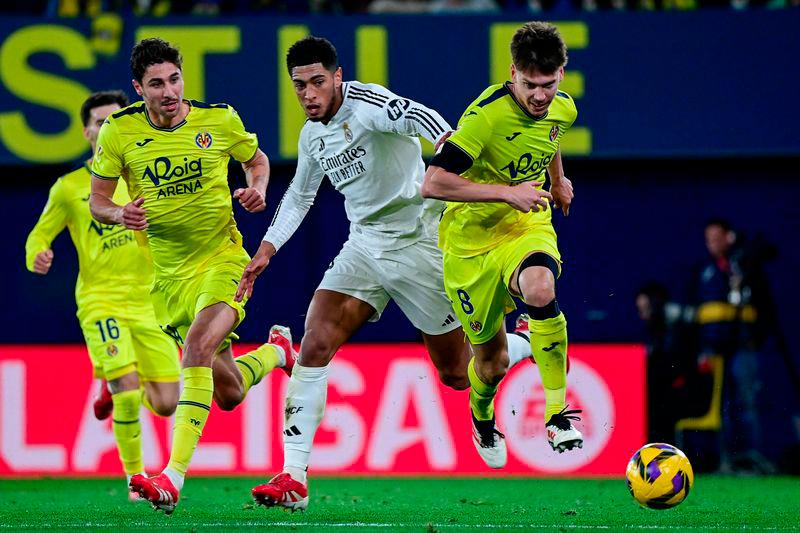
<point x="195" y="404"/>
<point x="125" y="421"/>
<point x="550" y="310"/>
<point x="250" y="368"/>
<point x="254" y="358"/>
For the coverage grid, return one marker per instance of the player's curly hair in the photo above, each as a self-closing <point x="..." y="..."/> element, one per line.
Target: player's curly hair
<point x="312" y="50"/>
<point x="538" y="45"/>
<point x="150" y="52"/>
<point x="100" y="99"/>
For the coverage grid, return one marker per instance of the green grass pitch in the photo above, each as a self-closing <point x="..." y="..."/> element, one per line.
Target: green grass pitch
<point x="405" y="504"/>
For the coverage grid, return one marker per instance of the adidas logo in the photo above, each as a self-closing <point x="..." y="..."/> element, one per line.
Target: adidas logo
<point x="551" y="347"/>
<point x="449" y="320"/>
<point x="292" y="432"/>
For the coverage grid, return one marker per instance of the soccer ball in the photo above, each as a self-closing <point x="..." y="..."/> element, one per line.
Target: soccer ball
<point x="659" y="476"/>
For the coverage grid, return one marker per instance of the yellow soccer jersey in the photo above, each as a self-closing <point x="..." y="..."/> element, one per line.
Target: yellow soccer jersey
<point x="114" y="269"/>
<point x="508" y="146"/>
<point x="182" y="174"/>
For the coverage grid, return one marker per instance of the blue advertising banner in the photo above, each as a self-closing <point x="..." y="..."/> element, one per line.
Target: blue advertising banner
<point x="647" y="84"/>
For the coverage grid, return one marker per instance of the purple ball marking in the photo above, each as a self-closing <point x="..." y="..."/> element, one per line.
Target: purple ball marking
<point x="653" y="471"/>
<point x="677" y="482"/>
<point x="664" y="446"/>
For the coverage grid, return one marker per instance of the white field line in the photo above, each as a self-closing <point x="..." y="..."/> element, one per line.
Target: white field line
<point x="393" y="525"/>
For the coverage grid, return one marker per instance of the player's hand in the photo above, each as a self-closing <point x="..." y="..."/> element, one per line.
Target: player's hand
<point x="562" y="194"/>
<point x="133" y="216"/>
<point x="251" y="199"/>
<point x="253" y="269"/>
<point x="43" y="261"/>
<point x="441" y="142"/>
<point x="526" y="197"/>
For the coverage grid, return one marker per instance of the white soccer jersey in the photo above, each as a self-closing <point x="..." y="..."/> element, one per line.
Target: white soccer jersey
<point x="371" y="154"/>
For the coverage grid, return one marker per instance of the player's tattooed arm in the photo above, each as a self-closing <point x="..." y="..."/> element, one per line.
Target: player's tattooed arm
<point x="132" y="215"/>
<point x="560" y="185"/>
<point x="256" y="172"/>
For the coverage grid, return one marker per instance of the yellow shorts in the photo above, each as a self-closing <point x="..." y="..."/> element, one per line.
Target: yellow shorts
<point x="479" y="286"/>
<point x="131" y="341"/>
<point x="177" y="302"/>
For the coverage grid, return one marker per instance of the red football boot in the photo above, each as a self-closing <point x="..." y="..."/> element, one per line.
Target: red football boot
<point x="282" y="491"/>
<point x="281" y="336"/>
<point x="158" y="490"/>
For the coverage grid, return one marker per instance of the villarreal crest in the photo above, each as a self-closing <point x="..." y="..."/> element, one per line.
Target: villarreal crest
<point x="203" y="140"/>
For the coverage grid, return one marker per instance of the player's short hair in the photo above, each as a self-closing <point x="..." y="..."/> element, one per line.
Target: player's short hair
<point x="312" y="50"/>
<point x="538" y="45"/>
<point x="102" y="98"/>
<point x="151" y="52"/>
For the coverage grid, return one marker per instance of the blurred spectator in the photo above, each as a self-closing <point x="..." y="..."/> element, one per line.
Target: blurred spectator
<point x="675" y="389"/>
<point x="397" y="6"/>
<point x="463" y="6"/>
<point x="92" y="8"/>
<point x="734" y="312"/>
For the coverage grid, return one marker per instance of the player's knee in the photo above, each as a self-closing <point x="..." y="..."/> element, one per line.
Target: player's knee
<point x="454" y="380"/>
<point x="316" y="350"/>
<point x="198" y="352"/>
<point x="163" y="407"/>
<point x="228" y="400"/>
<point x="539" y="289"/>
<point x="492" y="372"/>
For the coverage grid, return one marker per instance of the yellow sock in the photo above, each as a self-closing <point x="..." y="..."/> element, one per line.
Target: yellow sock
<point x="257" y="364"/>
<point x="549" y="346"/>
<point x="481" y="395"/>
<point x="190" y="416"/>
<point x="128" y="430"/>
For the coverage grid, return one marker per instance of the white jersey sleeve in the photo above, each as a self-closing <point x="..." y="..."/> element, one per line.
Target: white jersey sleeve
<point x="394" y="114"/>
<point x="298" y="199"/>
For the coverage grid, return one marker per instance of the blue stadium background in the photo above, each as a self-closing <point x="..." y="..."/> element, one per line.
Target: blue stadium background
<point x="684" y="117"/>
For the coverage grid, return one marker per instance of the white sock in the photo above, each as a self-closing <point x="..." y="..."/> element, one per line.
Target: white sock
<point x="281" y="355"/>
<point x="305" y="404"/>
<point x="519" y="349"/>
<point x="175" y="477"/>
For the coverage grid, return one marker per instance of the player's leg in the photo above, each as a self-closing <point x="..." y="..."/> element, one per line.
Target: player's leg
<point x="209" y="329"/>
<point x="110" y="346"/>
<point x="332" y="319"/>
<point x="349" y="295"/>
<point x="158" y="366"/>
<point x="125" y="422"/>
<point x="480" y="300"/>
<point x="534" y="279"/>
<point x="414" y="278"/>
<point x="234" y="376"/>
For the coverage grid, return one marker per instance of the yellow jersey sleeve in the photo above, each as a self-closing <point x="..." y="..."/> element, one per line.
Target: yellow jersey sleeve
<point x="107" y="162"/>
<point x="51" y="222"/>
<point x="242" y="144"/>
<point x="473" y="133"/>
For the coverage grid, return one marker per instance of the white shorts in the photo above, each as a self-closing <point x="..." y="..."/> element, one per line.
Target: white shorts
<point x="411" y="276"/>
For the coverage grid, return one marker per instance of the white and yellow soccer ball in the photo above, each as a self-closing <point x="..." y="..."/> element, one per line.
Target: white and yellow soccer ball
<point x="659" y="476"/>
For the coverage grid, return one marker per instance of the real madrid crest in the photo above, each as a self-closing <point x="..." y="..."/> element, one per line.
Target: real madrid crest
<point x="348" y="134"/>
<point x="203" y="139"/>
<point x="554" y="133"/>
